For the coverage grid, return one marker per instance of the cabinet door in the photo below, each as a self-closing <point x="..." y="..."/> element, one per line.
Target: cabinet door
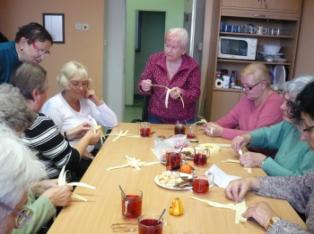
<point x="282" y="5"/>
<point x="254" y="4"/>
<point x="222" y="102"/>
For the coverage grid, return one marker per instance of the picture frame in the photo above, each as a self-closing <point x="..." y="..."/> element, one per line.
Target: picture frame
<point x="54" y="24"/>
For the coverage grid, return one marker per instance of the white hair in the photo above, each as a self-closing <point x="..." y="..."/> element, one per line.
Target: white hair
<point x="295" y="86"/>
<point x="179" y="34"/>
<point x="19" y="169"/>
<point x="13" y="109"/>
<point x="69" y="70"/>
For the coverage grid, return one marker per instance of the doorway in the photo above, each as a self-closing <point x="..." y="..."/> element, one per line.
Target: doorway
<point x="149" y="39"/>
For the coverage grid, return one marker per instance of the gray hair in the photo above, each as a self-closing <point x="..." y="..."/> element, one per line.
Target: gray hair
<point x="69" y="70"/>
<point x="13" y="109"/>
<point x="19" y="169"/>
<point x="179" y="34"/>
<point x="294" y="87"/>
<point x="29" y="77"/>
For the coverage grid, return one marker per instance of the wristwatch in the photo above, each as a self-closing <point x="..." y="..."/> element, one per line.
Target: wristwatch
<point x="273" y="220"/>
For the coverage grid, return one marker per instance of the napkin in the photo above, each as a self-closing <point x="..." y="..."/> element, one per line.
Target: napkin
<point x="221" y="178"/>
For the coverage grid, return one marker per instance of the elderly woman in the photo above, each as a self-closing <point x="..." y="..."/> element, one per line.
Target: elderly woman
<point x="259" y="106"/>
<point x="43" y="136"/>
<point x="298" y="190"/>
<point x="294" y="156"/>
<point x="172" y="80"/>
<point x="46" y="195"/>
<point x="77" y="107"/>
<point x="19" y="169"/>
<point x="32" y="44"/>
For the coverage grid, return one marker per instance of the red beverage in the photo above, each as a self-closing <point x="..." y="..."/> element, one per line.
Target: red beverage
<point x="200" y="185"/>
<point x="132" y="206"/>
<point x="173" y="161"/>
<point x="145" y="132"/>
<point x="150" y="226"/>
<point x="190" y="135"/>
<point x="200" y="159"/>
<point x="179" y="129"/>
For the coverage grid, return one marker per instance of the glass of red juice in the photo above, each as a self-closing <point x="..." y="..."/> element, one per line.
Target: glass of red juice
<point x="200" y="159"/>
<point x="179" y="128"/>
<point x="131" y="204"/>
<point x="150" y="224"/>
<point x="173" y="161"/>
<point x="200" y="184"/>
<point x="191" y="132"/>
<point x="145" y="130"/>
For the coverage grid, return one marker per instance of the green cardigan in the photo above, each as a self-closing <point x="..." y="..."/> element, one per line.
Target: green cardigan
<point x="43" y="211"/>
<point x="294" y="156"/>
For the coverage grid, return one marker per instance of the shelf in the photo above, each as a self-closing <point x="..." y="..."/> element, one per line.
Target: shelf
<point x="240" y="61"/>
<point x="228" y="90"/>
<point x="256" y="35"/>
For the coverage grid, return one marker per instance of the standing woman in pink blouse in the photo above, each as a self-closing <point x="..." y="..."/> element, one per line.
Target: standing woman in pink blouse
<point x="172" y="80"/>
<point x="259" y="106"/>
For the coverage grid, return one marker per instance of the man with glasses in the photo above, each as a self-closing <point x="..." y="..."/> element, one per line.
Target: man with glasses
<point x="32" y="44"/>
<point x="258" y="107"/>
<point x="19" y="168"/>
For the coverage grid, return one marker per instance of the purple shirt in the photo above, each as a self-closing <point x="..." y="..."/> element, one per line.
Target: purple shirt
<point x="187" y="78"/>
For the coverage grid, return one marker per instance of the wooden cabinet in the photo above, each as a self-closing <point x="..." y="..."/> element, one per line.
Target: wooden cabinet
<point x="271" y="9"/>
<point x="279" y="19"/>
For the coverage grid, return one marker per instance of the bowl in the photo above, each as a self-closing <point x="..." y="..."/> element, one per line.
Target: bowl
<point x="271" y="49"/>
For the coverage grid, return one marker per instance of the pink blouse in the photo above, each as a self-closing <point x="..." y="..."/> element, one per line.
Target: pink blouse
<point x="245" y="116"/>
<point x="187" y="78"/>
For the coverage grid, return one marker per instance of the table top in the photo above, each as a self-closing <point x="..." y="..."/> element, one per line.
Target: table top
<point x="103" y="207"/>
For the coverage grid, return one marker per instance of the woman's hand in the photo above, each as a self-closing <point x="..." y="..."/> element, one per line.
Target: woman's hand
<point x="240" y="141"/>
<point x="79" y="131"/>
<point x="59" y="195"/>
<point x="261" y="213"/>
<point x="146" y="85"/>
<point x="212" y="129"/>
<point x="91" y="95"/>
<point x="251" y="159"/>
<point x="175" y="93"/>
<point x="93" y="137"/>
<point x="237" y="189"/>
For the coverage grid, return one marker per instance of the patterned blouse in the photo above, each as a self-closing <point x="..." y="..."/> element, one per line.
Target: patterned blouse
<point x="298" y="191"/>
<point x="187" y="78"/>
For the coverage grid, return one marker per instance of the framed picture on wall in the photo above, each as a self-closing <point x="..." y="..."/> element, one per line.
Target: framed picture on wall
<point x="54" y="24"/>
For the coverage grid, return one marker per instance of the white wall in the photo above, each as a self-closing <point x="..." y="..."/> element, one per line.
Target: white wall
<point x="114" y="56"/>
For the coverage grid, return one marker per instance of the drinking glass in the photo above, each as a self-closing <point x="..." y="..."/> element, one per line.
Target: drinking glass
<point x="150" y="224"/>
<point x="191" y="132"/>
<point x="200" y="184"/>
<point x="179" y="128"/>
<point x="131" y="203"/>
<point x="145" y="130"/>
<point x="173" y="161"/>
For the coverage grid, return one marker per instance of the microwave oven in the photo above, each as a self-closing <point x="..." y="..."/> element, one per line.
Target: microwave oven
<point x="237" y="48"/>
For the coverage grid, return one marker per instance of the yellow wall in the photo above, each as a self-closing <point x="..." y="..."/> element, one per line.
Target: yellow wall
<point x="84" y="46"/>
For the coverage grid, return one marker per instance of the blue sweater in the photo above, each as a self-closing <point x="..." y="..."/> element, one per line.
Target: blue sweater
<point x="294" y="156"/>
<point x="9" y="61"/>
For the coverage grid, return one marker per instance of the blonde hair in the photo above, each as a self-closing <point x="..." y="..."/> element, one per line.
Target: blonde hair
<point x="258" y="70"/>
<point x="70" y="69"/>
<point x="179" y="34"/>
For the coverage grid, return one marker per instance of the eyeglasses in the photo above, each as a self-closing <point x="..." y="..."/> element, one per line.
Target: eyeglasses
<point x="40" y="51"/>
<point x="251" y="87"/>
<point x="77" y="84"/>
<point x="308" y="129"/>
<point x="22" y="217"/>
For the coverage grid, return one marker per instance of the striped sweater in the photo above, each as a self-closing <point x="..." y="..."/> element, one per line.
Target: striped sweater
<point x="51" y="147"/>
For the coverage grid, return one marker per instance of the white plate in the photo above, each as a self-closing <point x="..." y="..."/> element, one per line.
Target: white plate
<point x="159" y="182"/>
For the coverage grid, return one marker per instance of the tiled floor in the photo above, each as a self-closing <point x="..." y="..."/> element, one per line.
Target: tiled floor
<point x="134" y="111"/>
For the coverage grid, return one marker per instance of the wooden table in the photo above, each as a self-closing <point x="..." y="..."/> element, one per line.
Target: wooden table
<point x="104" y="206"/>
